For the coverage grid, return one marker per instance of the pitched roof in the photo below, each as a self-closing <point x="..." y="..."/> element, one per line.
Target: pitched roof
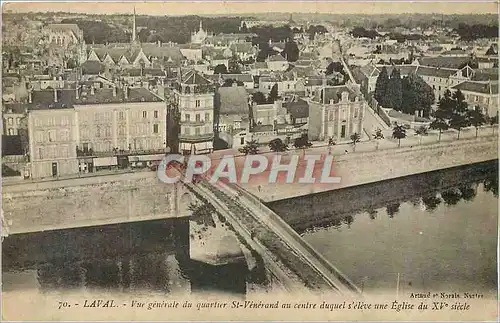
<point x="64" y="27"/>
<point x="232" y="100"/>
<point x="298" y="108"/>
<point x="486" y="74"/>
<point x="437" y="72"/>
<point x="484" y="88"/>
<point x="245" y="47"/>
<point x="261" y="65"/>
<point x="92" y="67"/>
<point x="445" y="62"/>
<point x="493" y="50"/>
<point x="334" y="93"/>
<point x="277" y="58"/>
<point x="193" y="77"/>
<point x="237" y="77"/>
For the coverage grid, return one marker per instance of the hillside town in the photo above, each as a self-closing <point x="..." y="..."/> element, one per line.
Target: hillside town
<point x="76" y="104"/>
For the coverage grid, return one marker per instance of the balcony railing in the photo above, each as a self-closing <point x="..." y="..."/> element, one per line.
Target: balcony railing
<point x="195" y="138"/>
<point x="118" y="152"/>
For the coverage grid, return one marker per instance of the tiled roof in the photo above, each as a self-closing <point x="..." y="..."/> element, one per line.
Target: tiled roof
<point x="232" y="100"/>
<point x="485" y="88"/>
<point x="403" y="69"/>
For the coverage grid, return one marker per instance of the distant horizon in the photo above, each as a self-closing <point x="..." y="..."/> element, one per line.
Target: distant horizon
<point x="238" y="8"/>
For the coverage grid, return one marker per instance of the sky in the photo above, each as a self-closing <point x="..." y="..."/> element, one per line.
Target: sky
<point x="246" y="7"/>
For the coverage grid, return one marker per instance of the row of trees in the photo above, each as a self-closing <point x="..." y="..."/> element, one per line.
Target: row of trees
<point x="260" y="98"/>
<point x="276" y="145"/>
<point x="453" y="112"/>
<point x="408" y="94"/>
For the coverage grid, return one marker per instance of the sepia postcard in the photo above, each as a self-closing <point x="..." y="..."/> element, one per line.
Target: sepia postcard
<point x="249" y="161"/>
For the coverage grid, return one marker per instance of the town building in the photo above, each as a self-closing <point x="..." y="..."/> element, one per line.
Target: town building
<point x="195" y="99"/>
<point x="336" y="112"/>
<point x="86" y="129"/>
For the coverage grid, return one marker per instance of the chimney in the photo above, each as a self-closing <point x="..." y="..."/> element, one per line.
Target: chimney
<point x="30" y="94"/>
<point x="55" y="95"/>
<point x="159" y="43"/>
<point x="125" y="90"/>
<point x="77" y="92"/>
<point x="114" y="91"/>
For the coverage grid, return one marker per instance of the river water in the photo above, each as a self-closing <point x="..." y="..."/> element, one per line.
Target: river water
<point x="436" y="230"/>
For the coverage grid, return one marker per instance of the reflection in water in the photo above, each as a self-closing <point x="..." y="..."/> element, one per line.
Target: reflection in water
<point x="150" y="256"/>
<point x="443" y="238"/>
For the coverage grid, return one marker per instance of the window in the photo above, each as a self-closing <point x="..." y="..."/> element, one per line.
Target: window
<point x="355" y="112"/>
<point x="155" y="128"/>
<point x="51" y="136"/>
<point x="40" y="153"/>
<point x="476" y="98"/>
<point x="98" y="131"/>
<point x="242" y="140"/>
<point x="440" y="88"/>
<point x="11" y="132"/>
<point x="144" y="114"/>
<point x="187" y="117"/>
<point x="188" y="131"/>
<point x="197" y="117"/>
<point x="121" y="115"/>
<point x="10" y="121"/>
<point x="18" y="120"/>
<point x="121" y="130"/>
<point x="197" y="103"/>
<point x="207" y="117"/>
<point x="197" y="131"/>
<point x="156" y="114"/>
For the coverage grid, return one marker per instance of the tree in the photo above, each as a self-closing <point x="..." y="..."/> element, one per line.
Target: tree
<point x="443" y="113"/>
<point x="399" y="132"/>
<point x="291" y="51"/>
<point x="394" y="93"/>
<point x="355" y="138"/>
<point x="277" y="145"/>
<point x="259" y="98"/>
<point x="381" y="86"/>
<point x="417" y="95"/>
<point x="476" y="118"/>
<point x="273" y="95"/>
<point x="220" y="69"/>
<point x="234" y="67"/>
<point x="251" y="148"/>
<point x="378" y="135"/>
<point x="459" y="117"/>
<point x="421" y="131"/>
<point x="493" y="122"/>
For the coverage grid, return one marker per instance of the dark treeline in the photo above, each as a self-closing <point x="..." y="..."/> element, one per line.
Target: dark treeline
<point x="153" y="28"/>
<point x="99" y="32"/>
<point x="472" y="32"/>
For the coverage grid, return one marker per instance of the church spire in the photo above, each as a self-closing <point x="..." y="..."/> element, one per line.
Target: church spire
<point x="134" y="29"/>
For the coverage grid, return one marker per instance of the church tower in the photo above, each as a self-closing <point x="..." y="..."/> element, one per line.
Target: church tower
<point x="134" y="29"/>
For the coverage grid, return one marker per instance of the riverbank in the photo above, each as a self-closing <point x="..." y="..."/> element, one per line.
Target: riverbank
<point x="363" y="167"/>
